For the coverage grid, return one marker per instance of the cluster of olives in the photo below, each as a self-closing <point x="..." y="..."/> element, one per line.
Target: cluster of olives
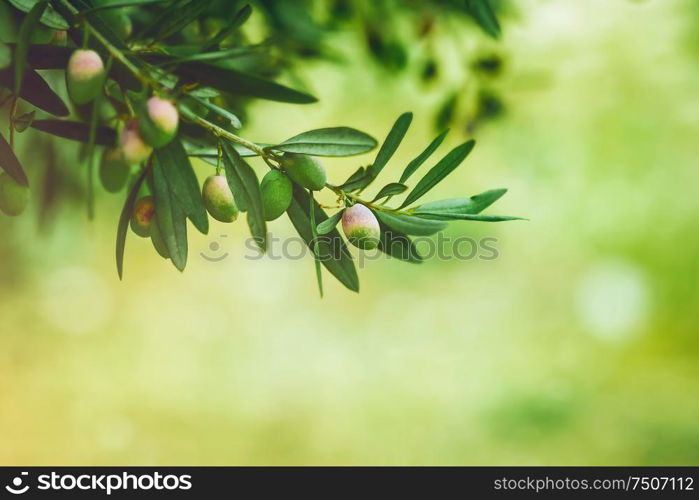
<point x="156" y="127"/>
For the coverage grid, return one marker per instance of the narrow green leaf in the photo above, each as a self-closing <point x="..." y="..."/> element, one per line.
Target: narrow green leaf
<point x="76" y="131"/>
<point x="473" y="205"/>
<point x="124" y="219"/>
<point x="208" y="154"/>
<point x="329" y="224"/>
<point x="49" y="17"/>
<point x="122" y="4"/>
<point x="10" y="164"/>
<point x="22" y="122"/>
<point x="398" y="245"/>
<point x="314" y="242"/>
<point x="422" y="157"/>
<point x="35" y="91"/>
<point x="176" y="17"/>
<point x="183" y="183"/>
<point x="474" y="217"/>
<point x="410" y="225"/>
<point x="92" y="134"/>
<point x="356" y="175"/>
<point x="445" y="166"/>
<point x="390" y="145"/>
<point x="5" y="56"/>
<point x="238" y="20"/>
<point x="246" y="191"/>
<point x="26" y="29"/>
<point x="332" y="250"/>
<point x="335" y="141"/>
<point x="171" y="219"/>
<point x="390" y="189"/>
<point x="237" y="82"/>
<point x="483" y="13"/>
<point x="221" y="116"/>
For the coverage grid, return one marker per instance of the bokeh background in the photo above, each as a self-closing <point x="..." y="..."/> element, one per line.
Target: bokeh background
<point x="577" y="345"/>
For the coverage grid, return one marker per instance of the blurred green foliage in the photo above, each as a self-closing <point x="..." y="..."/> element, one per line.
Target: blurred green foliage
<point x="578" y="345"/>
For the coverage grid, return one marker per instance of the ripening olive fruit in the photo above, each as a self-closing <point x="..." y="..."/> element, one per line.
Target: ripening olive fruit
<point x="156" y="237"/>
<point x="276" y="194"/>
<point x="133" y="148"/>
<point x="13" y="197"/>
<point x="306" y="171"/>
<point x="143" y="216"/>
<point x="114" y="170"/>
<point x="218" y="199"/>
<point x="159" y="125"/>
<point x="361" y="227"/>
<point x="84" y="76"/>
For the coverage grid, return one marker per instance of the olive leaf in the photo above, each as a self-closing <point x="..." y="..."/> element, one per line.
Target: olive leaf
<point x="314" y="241"/>
<point x="124" y="219"/>
<point x="22" y="122"/>
<point x="10" y="164"/>
<point x="170" y="217"/>
<point x="422" y="157"/>
<point x="398" y="245"/>
<point x="473" y="205"/>
<point x="443" y="168"/>
<point x="473" y="217"/>
<point x="49" y="17"/>
<point x="236" y="82"/>
<point x="35" y="91"/>
<point x="390" y="189"/>
<point x="329" y="224"/>
<point x="332" y="250"/>
<point x="240" y="17"/>
<point x="76" y="131"/>
<point x="390" y="145"/>
<point x="410" y="225"/>
<point x="24" y="39"/>
<point x="335" y="141"/>
<point x="183" y="183"/>
<point x="246" y="191"/>
<point x="483" y="13"/>
<point x="5" y="55"/>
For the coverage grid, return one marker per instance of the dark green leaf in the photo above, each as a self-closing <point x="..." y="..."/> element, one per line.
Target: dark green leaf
<point x="483" y="13"/>
<point x="422" y="157"/>
<point x="398" y="245"/>
<point x="336" y="141"/>
<point x="239" y="83"/>
<point x="332" y="250"/>
<point x="26" y="30"/>
<point x="329" y="224"/>
<point x="5" y="56"/>
<point x="474" y="217"/>
<point x="358" y="174"/>
<point x="389" y="146"/>
<point x="10" y="164"/>
<point x="76" y="131"/>
<point x="171" y="219"/>
<point x="410" y="225"/>
<point x="314" y="242"/>
<point x="358" y="180"/>
<point x="175" y="18"/>
<point x="124" y="219"/>
<point x="238" y="20"/>
<point x="183" y="183"/>
<point x="445" y="166"/>
<point x="22" y="122"/>
<point x="122" y="4"/>
<point x="49" y="18"/>
<point x="390" y="189"/>
<point x="221" y="116"/>
<point x="35" y="91"/>
<point x="246" y="191"/>
<point x="473" y="205"/>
